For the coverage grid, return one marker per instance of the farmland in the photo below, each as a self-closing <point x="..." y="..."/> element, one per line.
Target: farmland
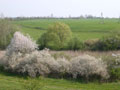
<point x="84" y="29"/>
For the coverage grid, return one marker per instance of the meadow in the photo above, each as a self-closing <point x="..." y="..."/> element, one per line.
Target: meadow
<point x="84" y="29"/>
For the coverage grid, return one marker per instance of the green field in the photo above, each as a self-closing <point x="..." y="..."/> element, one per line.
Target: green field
<point x="15" y="82"/>
<point x="84" y="29"/>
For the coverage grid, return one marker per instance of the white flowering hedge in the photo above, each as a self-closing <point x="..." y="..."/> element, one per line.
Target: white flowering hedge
<point x="86" y="65"/>
<point x="22" y="57"/>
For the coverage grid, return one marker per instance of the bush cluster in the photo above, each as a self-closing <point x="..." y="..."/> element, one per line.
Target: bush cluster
<point x="27" y="60"/>
<point x="111" y="42"/>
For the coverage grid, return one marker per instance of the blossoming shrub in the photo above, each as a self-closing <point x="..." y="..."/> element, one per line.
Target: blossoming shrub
<point x="21" y="44"/>
<point x="88" y="65"/>
<point x="21" y="56"/>
<point x="64" y="66"/>
<point x="37" y="63"/>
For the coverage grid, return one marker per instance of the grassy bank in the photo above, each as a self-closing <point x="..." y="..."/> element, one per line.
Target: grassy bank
<point x="12" y="82"/>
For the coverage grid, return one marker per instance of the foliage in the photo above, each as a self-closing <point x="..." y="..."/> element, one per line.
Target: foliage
<point x="111" y="42"/>
<point x="6" y="32"/>
<point x="90" y="44"/>
<point x="56" y="37"/>
<point x="75" y="44"/>
<point x="115" y="73"/>
<point x="49" y="40"/>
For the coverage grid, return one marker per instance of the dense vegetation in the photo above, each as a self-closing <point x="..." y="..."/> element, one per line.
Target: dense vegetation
<point x="23" y="57"/>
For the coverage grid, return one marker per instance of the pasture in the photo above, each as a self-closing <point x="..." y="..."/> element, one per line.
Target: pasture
<point x="84" y="29"/>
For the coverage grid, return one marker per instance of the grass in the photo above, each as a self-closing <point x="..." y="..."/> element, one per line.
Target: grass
<point x="14" y="82"/>
<point x="84" y="29"/>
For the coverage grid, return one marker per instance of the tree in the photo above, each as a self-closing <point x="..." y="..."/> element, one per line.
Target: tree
<point x="56" y="37"/>
<point x="6" y="32"/>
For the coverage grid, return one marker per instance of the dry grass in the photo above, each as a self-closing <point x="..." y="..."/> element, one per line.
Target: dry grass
<point x="71" y="54"/>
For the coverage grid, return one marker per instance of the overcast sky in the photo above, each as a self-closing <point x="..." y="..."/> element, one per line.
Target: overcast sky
<point x="14" y="8"/>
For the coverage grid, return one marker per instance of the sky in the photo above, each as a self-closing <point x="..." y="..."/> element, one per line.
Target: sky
<point x="59" y="8"/>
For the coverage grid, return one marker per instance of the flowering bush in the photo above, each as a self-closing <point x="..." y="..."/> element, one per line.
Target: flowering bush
<point x="88" y="65"/>
<point x="64" y="65"/>
<point x="34" y="63"/>
<point x="37" y="63"/>
<point x="21" y="43"/>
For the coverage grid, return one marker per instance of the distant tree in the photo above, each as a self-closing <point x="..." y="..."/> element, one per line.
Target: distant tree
<point x="56" y="37"/>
